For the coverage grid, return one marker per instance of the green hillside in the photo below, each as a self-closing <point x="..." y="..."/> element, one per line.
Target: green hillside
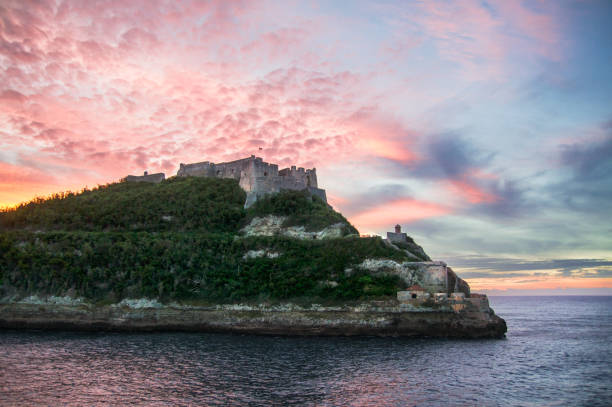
<point x="180" y="204"/>
<point x="180" y="240"/>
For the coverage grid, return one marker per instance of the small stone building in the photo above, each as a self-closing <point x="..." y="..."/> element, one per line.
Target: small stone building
<point x="398" y="236"/>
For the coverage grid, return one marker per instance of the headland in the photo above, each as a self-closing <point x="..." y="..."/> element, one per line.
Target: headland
<point x="187" y="253"/>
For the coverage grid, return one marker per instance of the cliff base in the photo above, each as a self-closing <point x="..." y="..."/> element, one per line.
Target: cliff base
<point x="365" y="319"/>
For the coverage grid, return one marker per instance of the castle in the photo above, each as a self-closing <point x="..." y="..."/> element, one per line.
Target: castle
<point x="255" y="176"/>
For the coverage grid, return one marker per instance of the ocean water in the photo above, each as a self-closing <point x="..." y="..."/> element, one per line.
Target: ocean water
<point x="558" y="352"/>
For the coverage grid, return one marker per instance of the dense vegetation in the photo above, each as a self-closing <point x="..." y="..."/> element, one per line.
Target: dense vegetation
<point x="205" y="204"/>
<point x="179" y="240"/>
<point x="110" y="266"/>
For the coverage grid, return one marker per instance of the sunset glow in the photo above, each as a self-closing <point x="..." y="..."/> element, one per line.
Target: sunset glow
<point x="483" y="128"/>
<point x="402" y="211"/>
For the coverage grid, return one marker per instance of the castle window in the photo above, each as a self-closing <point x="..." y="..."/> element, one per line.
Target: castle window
<point x="414" y="295"/>
<point x="265" y="174"/>
<point x="218" y="172"/>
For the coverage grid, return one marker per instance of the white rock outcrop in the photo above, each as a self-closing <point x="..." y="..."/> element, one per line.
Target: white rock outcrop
<point x="66" y="300"/>
<point x="265" y="226"/>
<point x="253" y="254"/>
<point x="431" y="275"/>
<point x="330" y="232"/>
<point x="139" y="303"/>
<point x="271" y="225"/>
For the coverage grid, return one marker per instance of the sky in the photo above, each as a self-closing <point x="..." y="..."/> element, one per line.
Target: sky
<point x="484" y="128"/>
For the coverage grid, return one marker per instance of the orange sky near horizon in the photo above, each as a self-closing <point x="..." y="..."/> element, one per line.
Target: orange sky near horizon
<point x="536" y="283"/>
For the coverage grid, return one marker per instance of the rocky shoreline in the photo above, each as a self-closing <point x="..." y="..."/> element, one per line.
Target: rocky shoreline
<point x="371" y="319"/>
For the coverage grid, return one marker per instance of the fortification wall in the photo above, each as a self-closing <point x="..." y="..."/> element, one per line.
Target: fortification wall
<point x="261" y="177"/>
<point x="232" y="169"/>
<point x="152" y="178"/>
<point x="397" y="237"/>
<point x="298" y="178"/>
<point x="435" y="277"/>
<point x="318" y="192"/>
<point x="203" y="169"/>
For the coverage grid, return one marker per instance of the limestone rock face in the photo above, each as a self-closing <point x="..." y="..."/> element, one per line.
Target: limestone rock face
<point x="265" y="226"/>
<point x="433" y="276"/>
<point x="334" y="231"/>
<point x="404" y="270"/>
<point x="253" y="254"/>
<point x="271" y="225"/>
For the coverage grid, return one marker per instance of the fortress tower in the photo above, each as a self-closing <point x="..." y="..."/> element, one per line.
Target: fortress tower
<point x="257" y="177"/>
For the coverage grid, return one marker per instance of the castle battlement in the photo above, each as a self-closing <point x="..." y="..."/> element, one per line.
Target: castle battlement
<point x="257" y="177"/>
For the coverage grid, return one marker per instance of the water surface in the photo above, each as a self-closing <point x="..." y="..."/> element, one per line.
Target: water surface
<point x="557" y="353"/>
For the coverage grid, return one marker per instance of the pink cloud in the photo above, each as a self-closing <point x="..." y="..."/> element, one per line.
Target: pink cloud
<point x="97" y="90"/>
<point x="481" y="39"/>
<point x="398" y="211"/>
<point x="469" y="191"/>
<point x="275" y="44"/>
<point x="14" y="174"/>
<point x="12" y="96"/>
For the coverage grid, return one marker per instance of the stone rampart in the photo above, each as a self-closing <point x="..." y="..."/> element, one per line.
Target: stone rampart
<point x="318" y="192"/>
<point x="257" y="177"/>
<point x="397" y="237"/>
<point x="152" y="178"/>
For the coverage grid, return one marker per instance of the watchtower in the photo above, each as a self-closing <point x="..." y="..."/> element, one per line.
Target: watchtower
<point x="398" y="236"/>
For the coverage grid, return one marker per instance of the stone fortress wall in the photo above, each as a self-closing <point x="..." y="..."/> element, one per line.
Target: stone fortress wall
<point x="146" y="177"/>
<point x="439" y="285"/>
<point x="254" y="175"/>
<point x="257" y="177"/>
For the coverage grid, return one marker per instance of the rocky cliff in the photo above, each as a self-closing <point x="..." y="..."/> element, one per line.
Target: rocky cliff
<point x="373" y="319"/>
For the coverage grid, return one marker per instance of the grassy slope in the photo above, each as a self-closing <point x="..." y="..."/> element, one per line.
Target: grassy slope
<point x="203" y="204"/>
<point x="113" y="243"/>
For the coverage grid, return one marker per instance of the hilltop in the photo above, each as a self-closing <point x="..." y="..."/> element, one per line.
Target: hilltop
<point x="195" y="204"/>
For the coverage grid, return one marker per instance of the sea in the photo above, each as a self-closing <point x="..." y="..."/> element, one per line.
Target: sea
<point x="557" y="352"/>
